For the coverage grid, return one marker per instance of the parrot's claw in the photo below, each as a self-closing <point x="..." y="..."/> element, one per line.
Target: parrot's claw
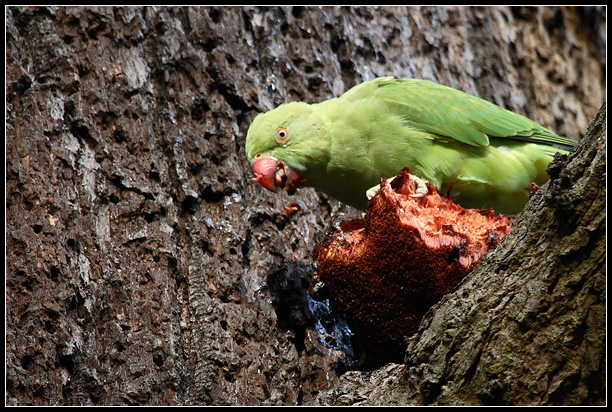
<point x="371" y="192"/>
<point x="421" y="188"/>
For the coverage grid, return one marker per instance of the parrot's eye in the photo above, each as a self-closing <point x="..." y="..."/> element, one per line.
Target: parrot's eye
<point x="282" y="135"/>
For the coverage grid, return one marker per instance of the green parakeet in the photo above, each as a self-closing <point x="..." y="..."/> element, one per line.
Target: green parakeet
<point x="486" y="155"/>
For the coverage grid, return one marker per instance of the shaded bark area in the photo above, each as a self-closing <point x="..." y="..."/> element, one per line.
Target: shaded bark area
<point x="528" y="325"/>
<point x="143" y="266"/>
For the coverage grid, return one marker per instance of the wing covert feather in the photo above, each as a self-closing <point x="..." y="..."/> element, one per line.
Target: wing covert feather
<point x="444" y="111"/>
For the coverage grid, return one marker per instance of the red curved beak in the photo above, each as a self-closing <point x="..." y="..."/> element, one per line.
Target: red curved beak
<point x="276" y="175"/>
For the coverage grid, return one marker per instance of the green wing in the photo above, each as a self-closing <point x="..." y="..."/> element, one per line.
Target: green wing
<point x="444" y="111"/>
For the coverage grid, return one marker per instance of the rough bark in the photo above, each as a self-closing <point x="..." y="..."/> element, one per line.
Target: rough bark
<point x="143" y="266"/>
<point x="527" y="326"/>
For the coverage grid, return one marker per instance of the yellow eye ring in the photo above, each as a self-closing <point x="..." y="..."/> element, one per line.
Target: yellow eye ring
<point x="282" y="135"/>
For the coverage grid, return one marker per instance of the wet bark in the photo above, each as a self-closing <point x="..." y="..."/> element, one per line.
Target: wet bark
<point x="143" y="266"/>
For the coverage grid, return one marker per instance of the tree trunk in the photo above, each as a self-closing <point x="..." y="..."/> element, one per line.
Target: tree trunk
<point x="143" y="265"/>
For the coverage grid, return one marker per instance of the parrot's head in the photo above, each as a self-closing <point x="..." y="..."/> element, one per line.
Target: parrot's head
<point x="285" y="144"/>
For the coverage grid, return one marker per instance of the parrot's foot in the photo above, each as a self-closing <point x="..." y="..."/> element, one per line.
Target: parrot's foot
<point x="371" y="192"/>
<point x="535" y="188"/>
<point x="421" y="188"/>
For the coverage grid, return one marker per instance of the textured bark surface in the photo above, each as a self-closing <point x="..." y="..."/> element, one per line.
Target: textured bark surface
<point x="143" y="266"/>
<point x="527" y="326"/>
